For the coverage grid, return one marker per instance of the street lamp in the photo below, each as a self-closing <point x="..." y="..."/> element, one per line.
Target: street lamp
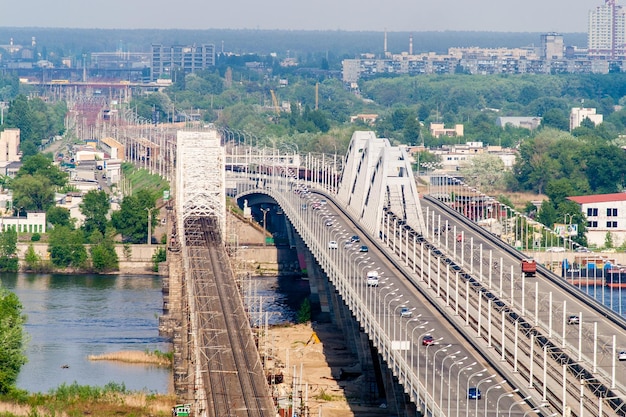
<point x="442" y="349"/>
<point x="418" y="358"/>
<point x="264" y="210"/>
<point x="458" y="384"/>
<point x="477" y="374"/>
<point x="453" y="356"/>
<point x="506" y="394"/>
<point x="486" y="380"/>
<point x="522" y="401"/>
<point x="534" y="410"/>
<point x="459" y="362"/>
<point x="497" y="386"/>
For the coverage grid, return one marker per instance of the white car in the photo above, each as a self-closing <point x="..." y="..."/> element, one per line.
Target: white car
<point x="621" y="356"/>
<point x="333" y="244"/>
<point x="555" y="249"/>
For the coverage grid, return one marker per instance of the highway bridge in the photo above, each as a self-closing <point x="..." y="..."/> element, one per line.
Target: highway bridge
<point x="471" y="320"/>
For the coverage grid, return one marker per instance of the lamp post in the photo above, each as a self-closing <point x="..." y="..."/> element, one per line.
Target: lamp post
<point x="459" y="362"/>
<point x="486" y="381"/>
<point x="497" y="386"/>
<point x="568" y="226"/>
<point x="265" y="210"/>
<point x="522" y="401"/>
<point x="534" y="410"/>
<point x="458" y="384"/>
<point x="442" y="349"/>
<point x="387" y="312"/>
<point x="443" y="361"/>
<point x="450" y="355"/>
<point x="149" y="209"/>
<point x="418" y="358"/>
<point x="469" y="380"/>
<point x="506" y="394"/>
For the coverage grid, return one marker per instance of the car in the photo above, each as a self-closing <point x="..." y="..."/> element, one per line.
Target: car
<point x="405" y="312"/>
<point x="555" y="249"/>
<point x="372" y="278"/>
<point x="428" y="340"/>
<point x="459" y="237"/>
<point x="573" y="320"/>
<point x="474" y="394"/>
<point x="355" y="239"/>
<point x="363" y="249"/>
<point x="333" y="244"/>
<point x="581" y="249"/>
<point x="329" y="223"/>
<point x="621" y="356"/>
<point x="323" y="201"/>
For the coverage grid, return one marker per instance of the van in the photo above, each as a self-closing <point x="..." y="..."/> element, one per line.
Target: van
<point x="372" y="279"/>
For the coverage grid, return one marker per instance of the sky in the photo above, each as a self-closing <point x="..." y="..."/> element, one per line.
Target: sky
<point x="563" y="16"/>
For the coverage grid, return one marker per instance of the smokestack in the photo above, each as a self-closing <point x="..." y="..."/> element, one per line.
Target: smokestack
<point x="385" y="46"/>
<point x="411" y="44"/>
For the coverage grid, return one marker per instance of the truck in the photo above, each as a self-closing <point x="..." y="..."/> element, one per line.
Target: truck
<point x="529" y="267"/>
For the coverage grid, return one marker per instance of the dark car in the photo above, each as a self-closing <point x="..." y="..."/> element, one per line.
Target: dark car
<point x="355" y="239"/>
<point x="363" y="249"/>
<point x="428" y="340"/>
<point x="474" y="394"/>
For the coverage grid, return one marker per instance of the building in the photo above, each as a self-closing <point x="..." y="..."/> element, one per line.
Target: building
<point x="552" y="46"/>
<point x="530" y="123"/>
<point x="10" y="145"/>
<point x="438" y="129"/>
<point x="606" y="36"/>
<point x="33" y="222"/>
<point x="578" y="114"/>
<point x="190" y="58"/>
<point x="113" y="148"/>
<point x="605" y="213"/>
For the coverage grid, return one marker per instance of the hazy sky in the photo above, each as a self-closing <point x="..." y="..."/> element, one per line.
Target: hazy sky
<point x="351" y="15"/>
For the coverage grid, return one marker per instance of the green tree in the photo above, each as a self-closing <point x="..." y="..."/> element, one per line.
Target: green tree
<point x="160" y="255"/>
<point x="8" y="251"/>
<point x="59" y="216"/>
<point x="39" y="164"/>
<point x="66" y="247"/>
<point x="486" y="172"/>
<point x="12" y="348"/>
<point x="95" y="207"/>
<point x="131" y="220"/>
<point x="32" y="193"/>
<point x="31" y="258"/>
<point x="103" y="255"/>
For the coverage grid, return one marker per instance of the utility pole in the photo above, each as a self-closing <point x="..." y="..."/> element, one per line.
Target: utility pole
<point x="150" y="224"/>
<point x="265" y="210"/>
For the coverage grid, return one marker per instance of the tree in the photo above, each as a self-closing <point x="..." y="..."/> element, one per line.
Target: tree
<point x="33" y="193"/>
<point x="39" y="164"/>
<point x="31" y="258"/>
<point x="485" y="172"/>
<point x="8" y="251"/>
<point x="12" y="356"/>
<point x="131" y="220"/>
<point x="59" y="216"/>
<point x="66" y="247"/>
<point x="95" y="207"/>
<point x="103" y="255"/>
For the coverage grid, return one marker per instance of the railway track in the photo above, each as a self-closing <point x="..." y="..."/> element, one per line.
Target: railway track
<point x="231" y="373"/>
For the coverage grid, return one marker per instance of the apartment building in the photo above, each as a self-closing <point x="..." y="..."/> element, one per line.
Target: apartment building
<point x="605" y="213"/>
<point x="189" y="58"/>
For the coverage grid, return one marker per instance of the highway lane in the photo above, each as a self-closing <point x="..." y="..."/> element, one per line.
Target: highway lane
<point x="452" y="354"/>
<point x="545" y="301"/>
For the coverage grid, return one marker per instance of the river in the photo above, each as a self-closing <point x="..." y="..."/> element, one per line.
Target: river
<point x="70" y="317"/>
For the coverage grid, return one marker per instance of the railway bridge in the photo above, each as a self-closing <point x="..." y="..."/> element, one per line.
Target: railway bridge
<point x="450" y="315"/>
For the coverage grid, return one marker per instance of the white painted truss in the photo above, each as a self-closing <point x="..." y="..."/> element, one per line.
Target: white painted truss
<point x="377" y="176"/>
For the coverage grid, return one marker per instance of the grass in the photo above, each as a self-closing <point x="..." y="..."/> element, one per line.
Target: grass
<point x="79" y="400"/>
<point x="141" y="179"/>
<point x="155" y="357"/>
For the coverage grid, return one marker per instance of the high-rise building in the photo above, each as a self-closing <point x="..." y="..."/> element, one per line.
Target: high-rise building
<point x="551" y="46"/>
<point x="607" y="31"/>
<point x="166" y="59"/>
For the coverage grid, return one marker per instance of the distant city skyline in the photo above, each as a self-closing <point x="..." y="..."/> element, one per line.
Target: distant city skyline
<point x="563" y="16"/>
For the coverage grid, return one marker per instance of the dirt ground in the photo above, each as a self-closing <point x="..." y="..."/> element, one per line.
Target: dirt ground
<point x="319" y="361"/>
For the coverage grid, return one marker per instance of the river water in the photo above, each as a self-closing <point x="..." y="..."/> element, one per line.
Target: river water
<point x="70" y="317"/>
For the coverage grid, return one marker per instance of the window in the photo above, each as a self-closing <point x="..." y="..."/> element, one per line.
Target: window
<point x="591" y="212"/>
<point x="592" y="224"/>
<point x="611" y="224"/>
<point x="611" y="212"/>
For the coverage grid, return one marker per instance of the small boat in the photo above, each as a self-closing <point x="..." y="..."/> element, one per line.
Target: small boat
<point x="65" y="366"/>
